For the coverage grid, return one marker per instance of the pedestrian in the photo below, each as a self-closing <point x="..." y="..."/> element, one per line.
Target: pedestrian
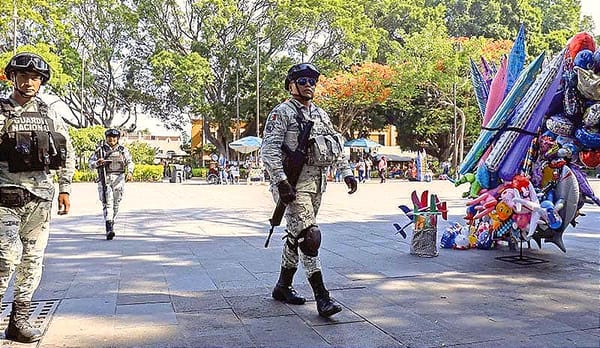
<point x="368" y="163"/>
<point x="360" y="167"/>
<point x="115" y="166"/>
<point x="26" y="185"/>
<point x="382" y="167"/>
<point x="286" y="127"/>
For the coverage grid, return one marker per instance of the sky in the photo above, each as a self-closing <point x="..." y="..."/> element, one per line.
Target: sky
<point x="592" y="8"/>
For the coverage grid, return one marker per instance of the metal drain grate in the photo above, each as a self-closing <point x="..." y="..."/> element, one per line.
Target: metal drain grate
<point x="40" y="313"/>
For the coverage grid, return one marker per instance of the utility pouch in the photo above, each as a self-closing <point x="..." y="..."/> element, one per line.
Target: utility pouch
<point x="14" y="197"/>
<point x="58" y="150"/>
<point x="325" y="150"/>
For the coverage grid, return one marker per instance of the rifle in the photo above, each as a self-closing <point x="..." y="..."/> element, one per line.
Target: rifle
<point x="292" y="167"/>
<point x="102" y="170"/>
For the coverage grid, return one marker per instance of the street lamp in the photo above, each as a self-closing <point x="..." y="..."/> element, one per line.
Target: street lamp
<point x="15" y="19"/>
<point x="257" y="86"/>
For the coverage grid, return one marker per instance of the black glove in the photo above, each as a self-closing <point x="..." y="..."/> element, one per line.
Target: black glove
<point x="287" y="193"/>
<point x="351" y="183"/>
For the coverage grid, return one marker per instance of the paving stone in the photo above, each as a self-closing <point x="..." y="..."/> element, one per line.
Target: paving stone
<point x="147" y="314"/>
<point x="360" y="334"/>
<point x="276" y="332"/>
<point x="258" y="306"/>
<point x="194" y="301"/>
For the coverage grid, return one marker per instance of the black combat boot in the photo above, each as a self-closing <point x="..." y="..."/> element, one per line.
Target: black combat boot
<point x="19" y="329"/>
<point x="325" y="305"/>
<point x="110" y="233"/>
<point x="284" y="291"/>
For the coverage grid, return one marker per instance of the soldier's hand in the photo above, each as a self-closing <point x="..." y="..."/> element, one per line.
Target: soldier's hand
<point x="64" y="203"/>
<point x="287" y="193"/>
<point x="100" y="162"/>
<point x="352" y="184"/>
<point x="129" y="177"/>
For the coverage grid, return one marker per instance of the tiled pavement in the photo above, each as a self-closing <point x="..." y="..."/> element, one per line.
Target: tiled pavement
<point x="188" y="269"/>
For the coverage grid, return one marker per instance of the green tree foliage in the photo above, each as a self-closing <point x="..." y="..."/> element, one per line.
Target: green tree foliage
<point x="141" y="153"/>
<point x="85" y="141"/>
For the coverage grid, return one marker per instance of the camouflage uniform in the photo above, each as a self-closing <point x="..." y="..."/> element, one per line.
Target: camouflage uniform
<point x="282" y="127"/>
<point x="24" y="230"/>
<point x="120" y="164"/>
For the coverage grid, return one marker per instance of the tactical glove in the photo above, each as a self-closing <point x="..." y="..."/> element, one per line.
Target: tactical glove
<point x="287" y="193"/>
<point x="351" y="183"/>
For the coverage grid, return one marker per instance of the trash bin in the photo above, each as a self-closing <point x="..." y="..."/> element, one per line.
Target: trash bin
<point x="424" y="239"/>
<point x="177" y="173"/>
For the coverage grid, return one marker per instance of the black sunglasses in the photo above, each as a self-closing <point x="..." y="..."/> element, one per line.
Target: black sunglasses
<point x="304" y="80"/>
<point x="25" y="61"/>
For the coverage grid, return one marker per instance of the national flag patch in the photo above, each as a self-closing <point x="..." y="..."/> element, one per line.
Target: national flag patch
<point x="273" y="117"/>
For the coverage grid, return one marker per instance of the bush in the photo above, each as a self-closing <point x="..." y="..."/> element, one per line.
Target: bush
<point x="85" y="175"/>
<point x="199" y="172"/>
<point x="148" y="172"/>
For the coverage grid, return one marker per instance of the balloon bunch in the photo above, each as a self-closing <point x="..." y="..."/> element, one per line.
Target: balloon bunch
<point x="540" y="130"/>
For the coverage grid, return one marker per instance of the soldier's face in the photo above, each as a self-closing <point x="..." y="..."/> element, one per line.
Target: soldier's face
<point x="28" y="82"/>
<point x="112" y="141"/>
<point x="304" y="86"/>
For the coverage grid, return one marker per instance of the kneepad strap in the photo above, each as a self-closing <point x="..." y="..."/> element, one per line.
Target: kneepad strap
<point x="309" y="240"/>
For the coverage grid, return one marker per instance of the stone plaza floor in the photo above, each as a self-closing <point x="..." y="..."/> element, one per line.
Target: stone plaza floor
<point x="188" y="269"/>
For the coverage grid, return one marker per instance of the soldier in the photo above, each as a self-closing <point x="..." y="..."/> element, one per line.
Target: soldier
<point x="34" y="140"/>
<point x="115" y="166"/>
<point x="284" y="129"/>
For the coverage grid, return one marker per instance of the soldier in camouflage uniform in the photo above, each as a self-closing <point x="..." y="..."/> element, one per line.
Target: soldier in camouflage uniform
<point x="34" y="140"/>
<point x="281" y="133"/>
<point x="115" y="166"/>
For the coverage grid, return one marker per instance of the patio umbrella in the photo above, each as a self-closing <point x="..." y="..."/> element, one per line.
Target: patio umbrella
<point x="246" y="144"/>
<point x="362" y="143"/>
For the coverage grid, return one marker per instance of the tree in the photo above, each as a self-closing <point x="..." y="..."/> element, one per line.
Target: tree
<point x="348" y="96"/>
<point x="141" y="153"/>
<point x="227" y="33"/>
<point x="85" y="141"/>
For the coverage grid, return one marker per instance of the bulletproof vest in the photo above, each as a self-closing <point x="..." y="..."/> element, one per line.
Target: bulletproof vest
<point x="30" y="141"/>
<point x="116" y="160"/>
<point x="326" y="145"/>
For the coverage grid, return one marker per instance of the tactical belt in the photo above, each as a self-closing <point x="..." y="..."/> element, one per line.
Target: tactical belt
<point x="14" y="197"/>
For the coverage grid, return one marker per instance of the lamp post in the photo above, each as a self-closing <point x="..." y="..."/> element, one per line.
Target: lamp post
<point x="15" y="19"/>
<point x="454" y="130"/>
<point x="257" y="85"/>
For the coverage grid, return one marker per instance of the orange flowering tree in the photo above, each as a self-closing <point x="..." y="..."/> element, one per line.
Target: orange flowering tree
<point x="348" y="96"/>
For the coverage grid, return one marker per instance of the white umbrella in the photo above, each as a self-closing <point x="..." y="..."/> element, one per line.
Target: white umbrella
<point x="246" y="144"/>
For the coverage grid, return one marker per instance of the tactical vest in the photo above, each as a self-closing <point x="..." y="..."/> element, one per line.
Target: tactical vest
<point x="115" y="160"/>
<point x="326" y="146"/>
<point x="30" y="141"/>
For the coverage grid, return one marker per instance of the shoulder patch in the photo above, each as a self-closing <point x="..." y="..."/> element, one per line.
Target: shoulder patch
<point x="274" y="117"/>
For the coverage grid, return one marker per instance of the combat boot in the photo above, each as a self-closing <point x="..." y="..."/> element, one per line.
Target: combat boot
<point x="19" y="329"/>
<point x="325" y="305"/>
<point x="110" y="233"/>
<point x="284" y="291"/>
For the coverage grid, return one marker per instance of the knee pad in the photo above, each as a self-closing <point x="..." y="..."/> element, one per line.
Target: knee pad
<point x="309" y="240"/>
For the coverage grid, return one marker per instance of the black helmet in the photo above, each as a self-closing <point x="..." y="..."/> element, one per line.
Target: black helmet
<point x="301" y="70"/>
<point x="112" y="133"/>
<point x="28" y="62"/>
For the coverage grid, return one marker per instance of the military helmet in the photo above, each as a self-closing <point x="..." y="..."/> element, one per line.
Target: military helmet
<point x="301" y="70"/>
<point x="112" y="133"/>
<point x="27" y="61"/>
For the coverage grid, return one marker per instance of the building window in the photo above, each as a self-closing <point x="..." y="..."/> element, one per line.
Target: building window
<point x="381" y="139"/>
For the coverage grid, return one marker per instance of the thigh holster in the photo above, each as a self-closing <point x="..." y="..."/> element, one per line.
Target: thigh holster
<point x="309" y="240"/>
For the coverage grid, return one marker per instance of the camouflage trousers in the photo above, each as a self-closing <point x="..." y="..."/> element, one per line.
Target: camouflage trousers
<point x="23" y="239"/>
<point x="115" y="187"/>
<point x="299" y="215"/>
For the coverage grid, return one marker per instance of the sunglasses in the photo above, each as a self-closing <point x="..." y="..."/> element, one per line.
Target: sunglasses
<point x="26" y="61"/>
<point x="304" y="80"/>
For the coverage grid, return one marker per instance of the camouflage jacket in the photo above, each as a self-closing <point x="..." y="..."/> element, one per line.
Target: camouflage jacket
<point x="282" y="127"/>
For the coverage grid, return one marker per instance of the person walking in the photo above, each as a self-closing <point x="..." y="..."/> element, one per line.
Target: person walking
<point x="286" y="127"/>
<point x="34" y="142"/>
<point x="115" y="166"/>
<point x="382" y="167"/>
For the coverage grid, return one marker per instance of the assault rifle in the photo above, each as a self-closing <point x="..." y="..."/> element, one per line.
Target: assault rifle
<point x="101" y="153"/>
<point x="294" y="162"/>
